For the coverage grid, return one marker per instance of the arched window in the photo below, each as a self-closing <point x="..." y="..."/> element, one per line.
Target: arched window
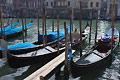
<point x="91" y="4"/>
<point x="97" y="4"/>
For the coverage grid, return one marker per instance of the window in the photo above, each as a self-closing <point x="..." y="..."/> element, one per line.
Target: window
<point x="51" y="3"/>
<point x="91" y="4"/>
<point x="110" y="6"/>
<point x="54" y="3"/>
<point x="110" y="11"/>
<point x="62" y="4"/>
<point x="97" y="4"/>
<point x="58" y="3"/>
<point x="116" y="6"/>
<point x="46" y="3"/>
<point x="68" y="3"/>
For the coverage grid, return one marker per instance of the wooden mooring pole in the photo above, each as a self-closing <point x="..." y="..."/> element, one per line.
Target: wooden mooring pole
<point x="119" y="40"/>
<point x="45" y="32"/>
<point x="72" y="17"/>
<point x="112" y="24"/>
<point x="41" y="78"/>
<point x="53" y="22"/>
<point x="22" y="27"/>
<point x="80" y="29"/>
<point x="43" y="24"/>
<point x="71" y="26"/>
<point x="58" y="33"/>
<point x="66" y="72"/>
<point x="91" y="15"/>
<point x="96" y="25"/>
<point x="11" y="22"/>
<point x="38" y="24"/>
<point x="25" y="27"/>
<point x="1" y="22"/>
<point x="4" y="29"/>
<point x="66" y="44"/>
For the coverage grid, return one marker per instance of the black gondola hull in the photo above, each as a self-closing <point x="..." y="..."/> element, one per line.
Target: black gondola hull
<point x="16" y="62"/>
<point x="78" y="70"/>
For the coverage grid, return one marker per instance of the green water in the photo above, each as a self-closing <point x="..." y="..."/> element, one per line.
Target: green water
<point x="112" y="72"/>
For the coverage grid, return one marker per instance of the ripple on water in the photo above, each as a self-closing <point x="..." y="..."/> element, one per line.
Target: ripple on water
<point x="2" y="62"/>
<point x="112" y="72"/>
<point x="12" y="76"/>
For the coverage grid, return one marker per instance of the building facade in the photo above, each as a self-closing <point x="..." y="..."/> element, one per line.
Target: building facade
<point x="9" y="7"/>
<point x="29" y="7"/>
<point x="103" y="13"/>
<point x="116" y="8"/>
<point x="87" y="6"/>
<point x="53" y="7"/>
<point x="56" y="7"/>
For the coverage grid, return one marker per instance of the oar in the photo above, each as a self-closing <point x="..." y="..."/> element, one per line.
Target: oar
<point x="112" y="24"/>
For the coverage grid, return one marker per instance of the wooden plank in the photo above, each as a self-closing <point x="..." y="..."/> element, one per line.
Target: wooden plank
<point x="46" y="69"/>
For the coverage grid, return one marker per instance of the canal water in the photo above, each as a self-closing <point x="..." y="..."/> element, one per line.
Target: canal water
<point x="112" y="72"/>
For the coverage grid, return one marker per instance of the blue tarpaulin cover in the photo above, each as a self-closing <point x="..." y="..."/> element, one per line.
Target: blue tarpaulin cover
<point x="15" y="30"/>
<point x="109" y="33"/>
<point x="106" y="39"/>
<point x="10" y="27"/>
<point x="21" y="46"/>
<point x="52" y="36"/>
<point x="107" y="36"/>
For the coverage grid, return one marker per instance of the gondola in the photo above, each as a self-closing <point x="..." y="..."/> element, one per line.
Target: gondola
<point x="98" y="56"/>
<point x="76" y="36"/>
<point x="28" y="47"/>
<point x="10" y="27"/>
<point x="16" y="56"/>
<point x="15" y="31"/>
<point x="42" y="56"/>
